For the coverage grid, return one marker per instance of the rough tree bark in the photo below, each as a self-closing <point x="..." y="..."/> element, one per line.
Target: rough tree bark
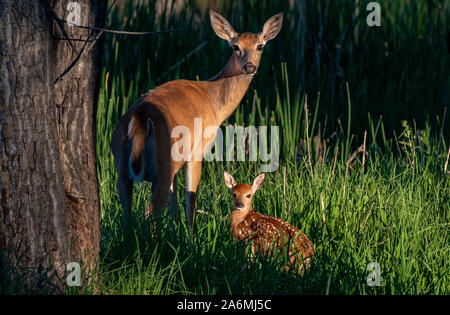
<point x="48" y="182"/>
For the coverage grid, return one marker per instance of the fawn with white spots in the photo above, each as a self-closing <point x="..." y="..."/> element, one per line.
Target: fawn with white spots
<point x="264" y="232"/>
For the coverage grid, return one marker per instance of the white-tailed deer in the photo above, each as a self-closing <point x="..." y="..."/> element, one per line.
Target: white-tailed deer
<point x="142" y="140"/>
<point x="266" y="233"/>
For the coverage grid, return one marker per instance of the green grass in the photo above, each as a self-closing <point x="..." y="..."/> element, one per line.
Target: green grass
<point x="391" y="214"/>
<point x="393" y="210"/>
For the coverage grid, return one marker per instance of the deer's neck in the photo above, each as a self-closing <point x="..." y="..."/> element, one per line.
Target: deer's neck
<point x="228" y="88"/>
<point x="237" y="216"/>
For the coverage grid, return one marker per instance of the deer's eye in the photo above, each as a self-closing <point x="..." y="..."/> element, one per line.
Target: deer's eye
<point x="248" y="196"/>
<point x="260" y="47"/>
<point x="234" y="195"/>
<point x="236" y="48"/>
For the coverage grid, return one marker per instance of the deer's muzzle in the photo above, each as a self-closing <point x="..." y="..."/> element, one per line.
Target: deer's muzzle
<point x="249" y="68"/>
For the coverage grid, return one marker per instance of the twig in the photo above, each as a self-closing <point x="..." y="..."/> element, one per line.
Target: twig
<point x="446" y="162"/>
<point x="396" y="141"/>
<point x="381" y="243"/>
<point x="334" y="165"/>
<point x="320" y="146"/>
<point x="440" y="136"/>
<point x="74" y="39"/>
<point x="59" y="78"/>
<point x="420" y="146"/>
<point x="128" y="32"/>
<point x="345" y="184"/>
<point x="307" y="136"/>
<point x="323" y="207"/>
<point x="354" y="154"/>
<point x="364" y="151"/>
<point x="101" y="32"/>
<point x="60" y="22"/>
<point x="54" y="17"/>
<point x="105" y="30"/>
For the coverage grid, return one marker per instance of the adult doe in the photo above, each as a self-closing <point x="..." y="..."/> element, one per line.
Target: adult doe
<point x="266" y="233"/>
<point x="142" y="140"/>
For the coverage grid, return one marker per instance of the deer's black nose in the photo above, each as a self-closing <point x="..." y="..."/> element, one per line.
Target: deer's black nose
<point x="239" y="205"/>
<point x="249" y="68"/>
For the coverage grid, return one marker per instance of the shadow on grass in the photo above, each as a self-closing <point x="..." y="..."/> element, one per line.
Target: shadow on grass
<point x="211" y="263"/>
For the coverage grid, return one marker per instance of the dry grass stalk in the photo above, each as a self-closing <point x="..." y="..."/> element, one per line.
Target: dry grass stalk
<point x="307" y="136"/>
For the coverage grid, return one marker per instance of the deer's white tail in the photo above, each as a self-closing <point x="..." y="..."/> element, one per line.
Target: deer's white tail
<point x="141" y="134"/>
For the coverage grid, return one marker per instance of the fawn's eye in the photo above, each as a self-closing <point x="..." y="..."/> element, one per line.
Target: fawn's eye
<point x="260" y="47"/>
<point x="248" y="196"/>
<point x="236" y="48"/>
<point x="234" y="195"/>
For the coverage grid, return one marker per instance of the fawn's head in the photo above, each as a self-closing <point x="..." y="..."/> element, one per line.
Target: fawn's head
<point x="243" y="193"/>
<point x="247" y="47"/>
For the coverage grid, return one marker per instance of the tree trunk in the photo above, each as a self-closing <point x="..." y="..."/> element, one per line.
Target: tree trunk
<point x="48" y="182"/>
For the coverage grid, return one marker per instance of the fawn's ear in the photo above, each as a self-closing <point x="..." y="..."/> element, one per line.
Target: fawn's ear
<point x="272" y="27"/>
<point x="221" y="26"/>
<point x="229" y="180"/>
<point x="257" y="183"/>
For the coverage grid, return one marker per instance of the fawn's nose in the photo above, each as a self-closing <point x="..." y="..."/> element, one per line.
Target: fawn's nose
<point x="249" y="68"/>
<point x="239" y="205"/>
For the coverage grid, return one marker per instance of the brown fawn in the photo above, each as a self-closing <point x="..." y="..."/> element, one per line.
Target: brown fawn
<point x="142" y="140"/>
<point x="266" y="233"/>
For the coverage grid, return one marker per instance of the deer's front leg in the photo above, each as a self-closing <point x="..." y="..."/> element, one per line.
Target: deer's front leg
<point x="193" y="172"/>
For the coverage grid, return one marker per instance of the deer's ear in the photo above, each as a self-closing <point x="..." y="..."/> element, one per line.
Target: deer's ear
<point x="257" y="183"/>
<point x="221" y="26"/>
<point x="229" y="180"/>
<point x="272" y="27"/>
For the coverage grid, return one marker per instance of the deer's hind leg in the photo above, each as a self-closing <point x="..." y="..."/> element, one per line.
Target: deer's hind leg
<point x="160" y="193"/>
<point x="125" y="190"/>
<point x="163" y="191"/>
<point x="193" y="174"/>
<point x="124" y="182"/>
